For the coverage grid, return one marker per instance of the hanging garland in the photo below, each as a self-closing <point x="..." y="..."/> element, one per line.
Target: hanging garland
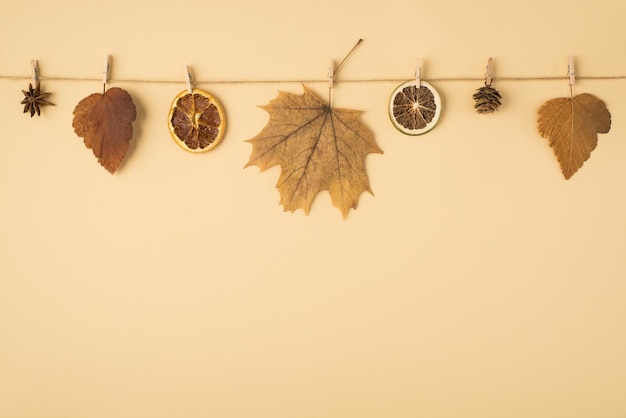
<point x="197" y="123"/>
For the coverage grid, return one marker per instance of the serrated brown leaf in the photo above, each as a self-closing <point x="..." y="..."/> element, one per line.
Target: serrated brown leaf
<point x="105" y="123"/>
<point x="317" y="148"/>
<point x="572" y="126"/>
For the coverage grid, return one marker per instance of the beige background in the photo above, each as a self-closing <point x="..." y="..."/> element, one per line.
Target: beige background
<point x="476" y="283"/>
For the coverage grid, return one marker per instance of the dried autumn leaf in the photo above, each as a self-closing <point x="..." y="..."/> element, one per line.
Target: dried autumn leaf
<point x="105" y="122"/>
<point x="572" y="126"/>
<point x="317" y="148"/>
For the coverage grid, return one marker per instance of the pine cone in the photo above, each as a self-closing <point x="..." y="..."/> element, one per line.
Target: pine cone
<point x="487" y="99"/>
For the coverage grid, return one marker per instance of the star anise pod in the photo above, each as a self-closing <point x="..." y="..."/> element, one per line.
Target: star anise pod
<point x="34" y="100"/>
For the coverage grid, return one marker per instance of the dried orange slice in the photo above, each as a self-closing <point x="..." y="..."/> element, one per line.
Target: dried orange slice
<point x="196" y="120"/>
<point x="413" y="109"/>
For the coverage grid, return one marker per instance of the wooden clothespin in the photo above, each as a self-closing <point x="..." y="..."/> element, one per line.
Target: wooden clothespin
<point x="106" y="72"/>
<point x="331" y="74"/>
<point x="418" y="73"/>
<point x="489" y="72"/>
<point x="189" y="79"/>
<point x="331" y="81"/>
<point x="34" y="64"/>
<point x="571" y="72"/>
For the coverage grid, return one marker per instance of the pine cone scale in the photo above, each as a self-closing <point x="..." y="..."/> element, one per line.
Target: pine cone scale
<point x="487" y="100"/>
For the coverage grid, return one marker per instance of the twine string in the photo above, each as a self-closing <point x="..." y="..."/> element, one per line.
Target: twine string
<point x="286" y="81"/>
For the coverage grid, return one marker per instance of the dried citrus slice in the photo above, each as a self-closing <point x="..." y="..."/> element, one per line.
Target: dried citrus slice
<point x="196" y="120"/>
<point x="413" y="109"/>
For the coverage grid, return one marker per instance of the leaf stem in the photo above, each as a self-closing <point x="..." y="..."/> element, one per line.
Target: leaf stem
<point x="347" y="56"/>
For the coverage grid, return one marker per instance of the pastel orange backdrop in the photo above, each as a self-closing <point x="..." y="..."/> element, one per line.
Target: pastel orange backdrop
<point x="476" y="282"/>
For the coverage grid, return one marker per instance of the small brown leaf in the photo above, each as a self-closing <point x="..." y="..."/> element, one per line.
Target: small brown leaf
<point x="105" y="122"/>
<point x="317" y="147"/>
<point x="572" y="125"/>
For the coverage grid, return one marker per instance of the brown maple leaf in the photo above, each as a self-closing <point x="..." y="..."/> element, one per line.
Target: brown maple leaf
<point x="105" y="122"/>
<point x="317" y="148"/>
<point x="572" y="126"/>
